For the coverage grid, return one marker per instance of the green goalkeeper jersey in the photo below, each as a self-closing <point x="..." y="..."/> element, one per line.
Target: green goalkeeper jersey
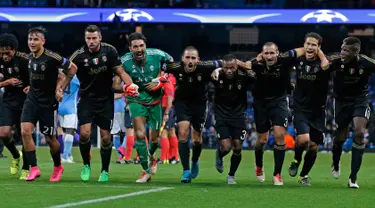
<point x="143" y="74"/>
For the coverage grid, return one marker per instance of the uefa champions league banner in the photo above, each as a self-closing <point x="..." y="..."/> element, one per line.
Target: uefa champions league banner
<point x="213" y="16"/>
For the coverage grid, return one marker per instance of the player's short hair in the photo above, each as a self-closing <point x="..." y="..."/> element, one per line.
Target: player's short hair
<point x="136" y="36"/>
<point x="92" y="29"/>
<point x="270" y="44"/>
<point x="229" y="57"/>
<point x="8" y="41"/>
<point x="38" y="29"/>
<point x="190" y="48"/>
<point x="314" y="35"/>
<point x="352" y="41"/>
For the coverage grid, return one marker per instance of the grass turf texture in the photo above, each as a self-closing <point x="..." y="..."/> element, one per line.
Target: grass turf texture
<point x="208" y="190"/>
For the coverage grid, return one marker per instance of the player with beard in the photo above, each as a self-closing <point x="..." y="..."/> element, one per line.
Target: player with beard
<point x="144" y="66"/>
<point x="271" y="104"/>
<point x="352" y="72"/>
<point x="97" y="62"/>
<point x="231" y="87"/>
<point x="13" y="66"/>
<point x="191" y="105"/>
<point x="310" y="97"/>
<point x="41" y="102"/>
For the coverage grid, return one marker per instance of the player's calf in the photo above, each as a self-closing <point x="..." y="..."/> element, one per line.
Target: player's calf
<point x="259" y="151"/>
<point x="223" y="149"/>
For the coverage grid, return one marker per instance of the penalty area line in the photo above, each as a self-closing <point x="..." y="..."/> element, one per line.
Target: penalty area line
<point x="109" y="198"/>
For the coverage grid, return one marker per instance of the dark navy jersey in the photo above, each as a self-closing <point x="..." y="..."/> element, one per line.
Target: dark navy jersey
<point x="192" y="86"/>
<point x="43" y="72"/>
<point x="14" y="96"/>
<point x="351" y="79"/>
<point x="231" y="95"/>
<point x="273" y="81"/>
<point x="311" y="89"/>
<point x="96" y="70"/>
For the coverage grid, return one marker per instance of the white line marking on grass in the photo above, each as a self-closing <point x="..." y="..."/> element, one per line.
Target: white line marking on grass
<point x="111" y="198"/>
<point x="82" y="186"/>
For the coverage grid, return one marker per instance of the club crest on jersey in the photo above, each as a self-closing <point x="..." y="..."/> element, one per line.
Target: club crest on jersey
<point x="307" y="68"/>
<point x="360" y="71"/>
<point x="239" y="86"/>
<point x="10" y="70"/>
<point x="104" y="58"/>
<point x="43" y="67"/>
<point x="95" y="61"/>
<point x="152" y="68"/>
<point x="199" y="78"/>
<point x="351" y="71"/>
<point x="301" y="63"/>
<point x="342" y="66"/>
<point x="2" y="66"/>
<point x="133" y="66"/>
<point x="16" y="69"/>
<point x="316" y="69"/>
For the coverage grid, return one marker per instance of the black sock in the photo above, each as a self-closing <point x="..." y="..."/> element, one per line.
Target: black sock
<point x="184" y="151"/>
<point x="259" y="150"/>
<point x="197" y="149"/>
<point x="308" y="163"/>
<point x="31" y="157"/>
<point x="85" y="147"/>
<point x="357" y="155"/>
<point x="278" y="155"/>
<point x="235" y="161"/>
<point x="56" y="158"/>
<point x="11" y="146"/>
<point x="336" y="153"/>
<point x="25" y="165"/>
<point x="298" y="151"/>
<point x="105" y="153"/>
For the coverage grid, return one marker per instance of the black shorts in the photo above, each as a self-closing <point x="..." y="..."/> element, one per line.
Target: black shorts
<point x="171" y="123"/>
<point x="9" y="116"/>
<point x="346" y="110"/>
<point x="194" y="112"/>
<point x="310" y="123"/>
<point x="128" y="120"/>
<point x="230" y="128"/>
<point x="98" y="112"/>
<point x="271" y="112"/>
<point x="47" y="117"/>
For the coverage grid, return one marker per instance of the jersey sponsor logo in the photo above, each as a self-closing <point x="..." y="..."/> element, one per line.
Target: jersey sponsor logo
<point x="310" y="77"/>
<point x="97" y="70"/>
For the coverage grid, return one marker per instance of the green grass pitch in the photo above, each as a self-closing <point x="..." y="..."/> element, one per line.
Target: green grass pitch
<point x="208" y="190"/>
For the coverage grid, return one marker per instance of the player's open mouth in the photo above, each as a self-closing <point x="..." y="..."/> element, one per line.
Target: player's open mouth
<point x="190" y="66"/>
<point x="139" y="55"/>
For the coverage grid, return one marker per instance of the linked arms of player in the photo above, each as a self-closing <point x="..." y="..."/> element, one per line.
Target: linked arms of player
<point x="324" y="63"/>
<point x="246" y="66"/>
<point x="129" y="87"/>
<point x="10" y="82"/>
<point x="64" y="78"/>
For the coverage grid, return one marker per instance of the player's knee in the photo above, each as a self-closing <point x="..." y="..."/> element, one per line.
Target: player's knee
<point x="225" y="148"/>
<point x="279" y="137"/>
<point x="237" y="150"/>
<point x="262" y="139"/>
<point x="303" y="139"/>
<point x="183" y="134"/>
<point x="140" y="134"/>
<point x="26" y="133"/>
<point x="359" y="136"/>
<point x="84" y="135"/>
<point x="313" y="146"/>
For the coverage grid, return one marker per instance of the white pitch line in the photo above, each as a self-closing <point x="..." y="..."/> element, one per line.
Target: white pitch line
<point x="111" y="198"/>
<point x="84" y="186"/>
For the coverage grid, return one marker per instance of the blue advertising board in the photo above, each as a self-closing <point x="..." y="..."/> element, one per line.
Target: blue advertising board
<point x="210" y="16"/>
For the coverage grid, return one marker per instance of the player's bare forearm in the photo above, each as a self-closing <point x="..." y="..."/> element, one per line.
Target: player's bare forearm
<point x="323" y="59"/>
<point x="243" y="65"/>
<point x="116" y="86"/>
<point x="124" y="76"/>
<point x="4" y="83"/>
<point x="69" y="74"/>
<point x="118" y="96"/>
<point x="60" y="81"/>
<point x="169" y="104"/>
